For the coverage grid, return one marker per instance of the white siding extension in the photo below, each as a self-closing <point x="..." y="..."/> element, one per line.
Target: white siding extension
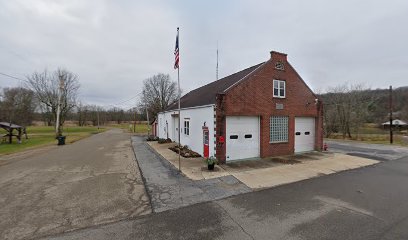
<point x="196" y="116"/>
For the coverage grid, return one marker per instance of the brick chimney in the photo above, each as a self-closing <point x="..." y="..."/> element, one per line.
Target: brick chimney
<point x="279" y="56"/>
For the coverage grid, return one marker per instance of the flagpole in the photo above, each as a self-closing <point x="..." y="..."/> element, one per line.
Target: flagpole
<point x="179" y="109"/>
<point x="178" y="80"/>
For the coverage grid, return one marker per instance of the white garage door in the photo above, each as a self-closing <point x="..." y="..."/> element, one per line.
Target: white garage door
<point x="304" y="134"/>
<point x="242" y="137"/>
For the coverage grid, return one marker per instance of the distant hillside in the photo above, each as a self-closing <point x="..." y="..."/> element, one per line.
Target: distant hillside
<point x="348" y="107"/>
<point x="378" y="103"/>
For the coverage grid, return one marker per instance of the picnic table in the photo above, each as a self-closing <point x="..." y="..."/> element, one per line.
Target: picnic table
<point x="10" y="127"/>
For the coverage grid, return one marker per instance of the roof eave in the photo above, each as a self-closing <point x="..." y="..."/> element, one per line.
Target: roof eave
<point x="245" y="77"/>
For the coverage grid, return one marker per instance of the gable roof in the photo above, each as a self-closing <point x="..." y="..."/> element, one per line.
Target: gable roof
<point x="206" y="94"/>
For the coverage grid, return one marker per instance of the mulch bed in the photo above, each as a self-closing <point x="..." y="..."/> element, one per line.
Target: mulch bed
<point x="185" y="152"/>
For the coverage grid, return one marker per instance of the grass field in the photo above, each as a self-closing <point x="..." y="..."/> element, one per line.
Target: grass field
<point x="370" y="133"/>
<point x="128" y="127"/>
<point x="41" y="136"/>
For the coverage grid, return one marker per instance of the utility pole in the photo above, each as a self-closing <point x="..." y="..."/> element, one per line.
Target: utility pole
<point x="134" y="121"/>
<point x="97" y="116"/>
<point x="57" y="121"/>
<point x="10" y="130"/>
<point x="391" y="137"/>
<point x="147" y="116"/>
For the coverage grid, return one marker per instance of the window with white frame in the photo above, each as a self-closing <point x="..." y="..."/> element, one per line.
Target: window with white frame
<point x="279" y="126"/>
<point x="187" y="126"/>
<point x="279" y="88"/>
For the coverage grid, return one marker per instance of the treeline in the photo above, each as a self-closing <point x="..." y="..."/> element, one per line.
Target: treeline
<point x="20" y="106"/>
<point x="17" y="105"/>
<point x="43" y="91"/>
<point x="97" y="115"/>
<point x="347" y="107"/>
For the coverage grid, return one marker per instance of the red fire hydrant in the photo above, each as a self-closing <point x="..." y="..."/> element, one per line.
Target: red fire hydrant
<point x="325" y="147"/>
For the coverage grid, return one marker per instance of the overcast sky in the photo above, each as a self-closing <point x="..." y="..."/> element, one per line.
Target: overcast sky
<point x="114" y="45"/>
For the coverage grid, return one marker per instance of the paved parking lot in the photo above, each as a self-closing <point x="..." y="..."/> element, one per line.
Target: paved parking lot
<point x="93" y="181"/>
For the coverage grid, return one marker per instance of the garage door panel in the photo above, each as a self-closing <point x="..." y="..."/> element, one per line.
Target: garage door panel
<point x="304" y="134"/>
<point x="242" y="137"/>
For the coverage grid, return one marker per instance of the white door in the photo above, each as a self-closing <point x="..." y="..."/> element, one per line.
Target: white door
<point x="242" y="137"/>
<point x="175" y="129"/>
<point x="304" y="134"/>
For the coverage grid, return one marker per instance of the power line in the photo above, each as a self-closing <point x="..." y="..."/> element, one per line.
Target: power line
<point x="121" y="102"/>
<point x="13" y="77"/>
<point x="115" y="104"/>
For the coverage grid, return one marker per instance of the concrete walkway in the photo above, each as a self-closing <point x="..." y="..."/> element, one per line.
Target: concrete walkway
<point x="193" y="168"/>
<point x="90" y="182"/>
<point x="168" y="189"/>
<point x="274" y="176"/>
<point x="266" y="172"/>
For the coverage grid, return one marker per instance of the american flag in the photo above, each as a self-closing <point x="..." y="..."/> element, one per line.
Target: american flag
<point x="176" y="51"/>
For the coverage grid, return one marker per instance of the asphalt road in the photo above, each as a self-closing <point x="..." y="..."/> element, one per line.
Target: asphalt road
<point x="365" y="203"/>
<point x="92" y="181"/>
<point x="381" y="152"/>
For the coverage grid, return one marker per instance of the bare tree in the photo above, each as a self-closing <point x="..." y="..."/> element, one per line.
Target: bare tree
<point x="346" y="109"/>
<point x="82" y="113"/>
<point x="158" y="93"/>
<point x="46" y="87"/>
<point x="17" y="105"/>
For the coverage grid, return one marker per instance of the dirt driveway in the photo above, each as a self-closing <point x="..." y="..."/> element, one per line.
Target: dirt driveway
<point x="93" y="181"/>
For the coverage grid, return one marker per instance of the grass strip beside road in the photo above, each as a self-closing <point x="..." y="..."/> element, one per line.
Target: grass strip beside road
<point x="39" y="136"/>
<point x="373" y="138"/>
<point x="42" y="136"/>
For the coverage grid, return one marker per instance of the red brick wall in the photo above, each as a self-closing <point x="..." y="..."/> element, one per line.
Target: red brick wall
<point x="254" y="97"/>
<point x="220" y="128"/>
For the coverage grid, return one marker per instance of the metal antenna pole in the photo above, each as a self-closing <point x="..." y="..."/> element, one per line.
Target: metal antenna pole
<point x="216" y="71"/>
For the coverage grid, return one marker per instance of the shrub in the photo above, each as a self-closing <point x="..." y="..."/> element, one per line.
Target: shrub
<point x="211" y="160"/>
<point x="163" y="140"/>
<point x="185" y="151"/>
<point x="152" y="138"/>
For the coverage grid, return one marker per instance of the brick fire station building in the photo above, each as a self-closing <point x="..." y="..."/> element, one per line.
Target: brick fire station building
<point x="264" y="110"/>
